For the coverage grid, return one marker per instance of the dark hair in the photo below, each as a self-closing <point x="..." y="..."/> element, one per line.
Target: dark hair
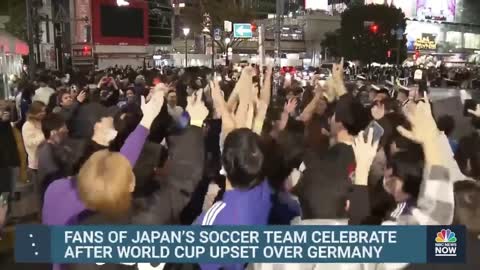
<point x="50" y="123"/>
<point x="468" y="155"/>
<point x="446" y="123"/>
<point x="475" y="122"/>
<point x="125" y="123"/>
<point x="242" y="158"/>
<point x="281" y="157"/>
<point x="60" y="95"/>
<point x="467" y="205"/>
<point x="353" y="116"/>
<point x="408" y="167"/>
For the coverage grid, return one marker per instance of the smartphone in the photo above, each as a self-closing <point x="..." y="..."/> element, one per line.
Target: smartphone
<point x="470" y="104"/>
<point x="377" y="131"/>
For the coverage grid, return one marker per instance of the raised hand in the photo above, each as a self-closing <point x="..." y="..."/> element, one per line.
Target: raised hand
<point x="82" y="96"/>
<point x="151" y="109"/>
<point x="196" y="109"/>
<point x="290" y="106"/>
<point x="228" y="122"/>
<point x="475" y="112"/>
<point x="365" y="152"/>
<point x="424" y="129"/>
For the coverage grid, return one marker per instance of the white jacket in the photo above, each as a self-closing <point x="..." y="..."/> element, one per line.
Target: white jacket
<point x="43" y="94"/>
<point x="324" y="266"/>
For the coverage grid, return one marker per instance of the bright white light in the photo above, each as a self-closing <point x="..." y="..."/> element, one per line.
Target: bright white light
<point x="227" y="40"/>
<point x="186" y="31"/>
<point x="122" y="3"/>
<point x="182" y="5"/>
<point x="316" y="4"/>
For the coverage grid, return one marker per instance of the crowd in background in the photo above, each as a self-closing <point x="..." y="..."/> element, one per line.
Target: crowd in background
<point x="242" y="146"/>
<point x="465" y="77"/>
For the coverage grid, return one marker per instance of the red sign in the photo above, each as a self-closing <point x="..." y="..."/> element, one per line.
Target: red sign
<point x="85" y="52"/>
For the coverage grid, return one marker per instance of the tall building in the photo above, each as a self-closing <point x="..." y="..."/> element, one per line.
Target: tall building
<point x="160" y="19"/>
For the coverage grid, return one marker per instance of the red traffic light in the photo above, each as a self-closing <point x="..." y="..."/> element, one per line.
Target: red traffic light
<point x="389" y="53"/>
<point x="417" y="55"/>
<point x="87" y="50"/>
<point x="374" y="28"/>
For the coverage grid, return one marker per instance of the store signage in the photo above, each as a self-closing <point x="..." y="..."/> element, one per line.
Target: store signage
<point x="82" y="10"/>
<point x="425" y="43"/>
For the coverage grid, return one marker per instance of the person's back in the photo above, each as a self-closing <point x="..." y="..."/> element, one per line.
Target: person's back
<point x="247" y="198"/>
<point x="43" y="94"/>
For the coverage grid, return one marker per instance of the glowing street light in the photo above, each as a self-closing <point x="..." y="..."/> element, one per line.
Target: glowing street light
<point x="122" y="3"/>
<point x="186" y="31"/>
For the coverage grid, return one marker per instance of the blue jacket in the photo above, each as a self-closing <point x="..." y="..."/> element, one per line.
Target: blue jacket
<point x="238" y="207"/>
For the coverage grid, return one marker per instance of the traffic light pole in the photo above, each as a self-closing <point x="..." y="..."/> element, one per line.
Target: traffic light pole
<point x="31" y="54"/>
<point x="278" y="24"/>
<point x="398" y="52"/>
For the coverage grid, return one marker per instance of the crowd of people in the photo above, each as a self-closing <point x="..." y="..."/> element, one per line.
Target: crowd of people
<point x="465" y="77"/>
<point x="237" y="147"/>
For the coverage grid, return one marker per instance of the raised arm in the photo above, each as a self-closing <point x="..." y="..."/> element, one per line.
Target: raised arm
<point x="133" y="145"/>
<point x="436" y="200"/>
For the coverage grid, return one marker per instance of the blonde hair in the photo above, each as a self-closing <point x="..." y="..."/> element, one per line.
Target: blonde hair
<point x="104" y="183"/>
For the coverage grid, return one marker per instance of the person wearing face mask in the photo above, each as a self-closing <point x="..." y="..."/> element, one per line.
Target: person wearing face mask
<point x="53" y="153"/>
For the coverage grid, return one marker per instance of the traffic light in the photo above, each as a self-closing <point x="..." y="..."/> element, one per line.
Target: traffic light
<point x="87" y="50"/>
<point x="417" y="55"/>
<point x="389" y="53"/>
<point x="253" y="27"/>
<point x="374" y="28"/>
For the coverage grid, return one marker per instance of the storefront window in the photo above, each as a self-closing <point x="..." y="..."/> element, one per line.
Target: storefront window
<point x="472" y="41"/>
<point x="454" y="38"/>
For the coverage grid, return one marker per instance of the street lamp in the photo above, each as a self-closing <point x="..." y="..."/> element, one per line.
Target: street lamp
<point x="227" y="42"/>
<point x="186" y="31"/>
<point x="122" y="3"/>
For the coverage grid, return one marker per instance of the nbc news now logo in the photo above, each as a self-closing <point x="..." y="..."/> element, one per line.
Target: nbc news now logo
<point x="446" y="244"/>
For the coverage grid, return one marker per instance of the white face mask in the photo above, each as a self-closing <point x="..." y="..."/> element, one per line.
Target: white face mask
<point x="110" y="134"/>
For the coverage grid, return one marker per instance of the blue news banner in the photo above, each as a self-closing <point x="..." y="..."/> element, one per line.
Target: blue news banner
<point x="239" y="244"/>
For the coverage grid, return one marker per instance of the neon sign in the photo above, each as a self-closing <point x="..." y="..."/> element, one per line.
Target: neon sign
<point x="425" y="43"/>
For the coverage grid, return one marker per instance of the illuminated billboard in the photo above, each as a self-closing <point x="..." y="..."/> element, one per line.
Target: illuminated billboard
<point x="441" y="10"/>
<point x="316" y="4"/>
<point x="407" y="6"/>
